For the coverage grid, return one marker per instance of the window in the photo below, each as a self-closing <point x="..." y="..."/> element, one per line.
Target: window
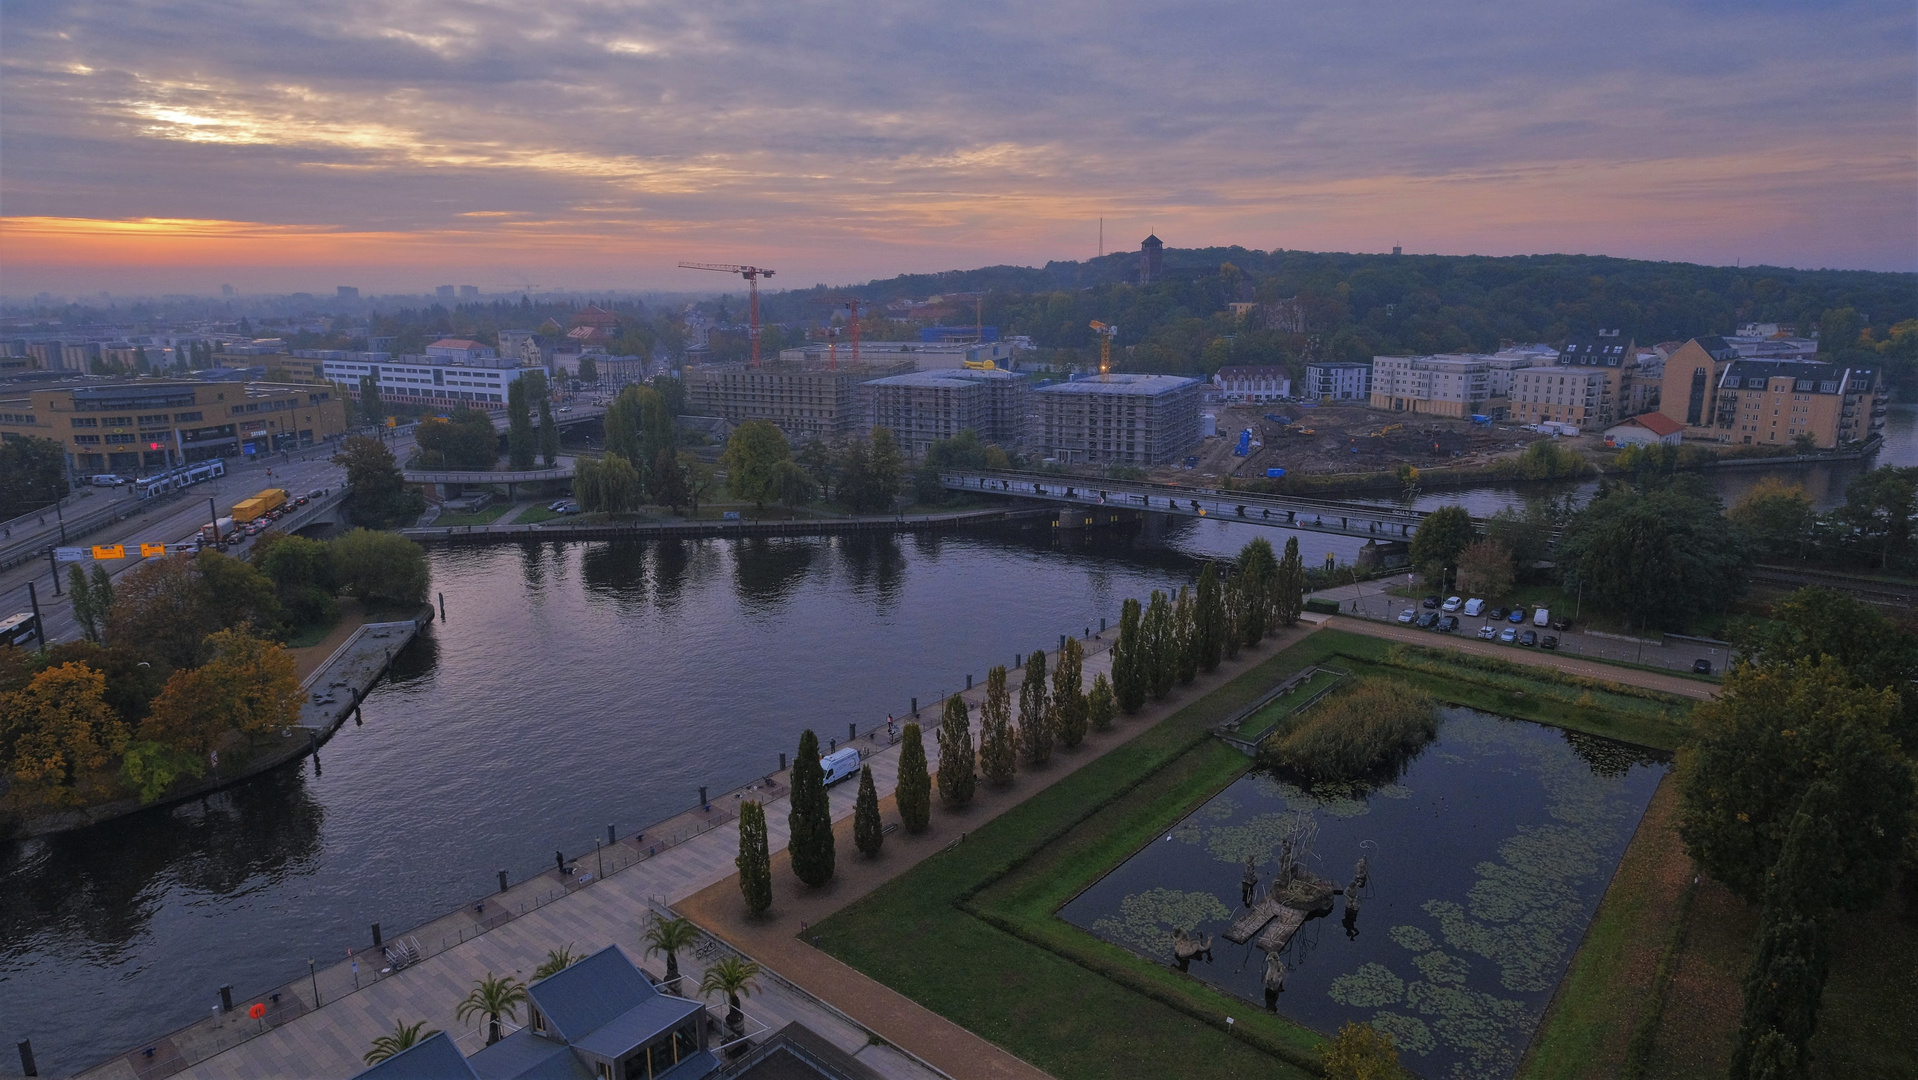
<point x="187" y="416"/>
<point x="85" y="421"/>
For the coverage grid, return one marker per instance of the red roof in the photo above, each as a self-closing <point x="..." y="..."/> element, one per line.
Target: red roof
<point x="1657" y="423"/>
<point x="456" y="343"/>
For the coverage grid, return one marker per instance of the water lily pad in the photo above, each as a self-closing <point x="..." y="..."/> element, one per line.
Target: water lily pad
<point x="1408" y="1033"/>
<point x="1371" y="986"/>
<point x="1146" y="920"/>
<point x="1411" y="937"/>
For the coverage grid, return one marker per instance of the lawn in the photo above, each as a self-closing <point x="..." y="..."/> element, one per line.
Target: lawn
<point x="972" y="933"/>
<point x="1261" y="722"/>
<point x="308" y="636"/>
<point x="533" y="515"/>
<point x="483" y="516"/>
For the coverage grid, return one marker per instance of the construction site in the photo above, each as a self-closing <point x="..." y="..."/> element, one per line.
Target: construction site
<point x="1305" y="439"/>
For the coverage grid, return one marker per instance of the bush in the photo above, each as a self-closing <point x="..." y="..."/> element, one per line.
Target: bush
<point x="1323" y="607"/>
<point x="1374" y="727"/>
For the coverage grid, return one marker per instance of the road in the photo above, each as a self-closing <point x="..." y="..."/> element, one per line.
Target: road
<point x="1370" y="600"/>
<point x="171" y="520"/>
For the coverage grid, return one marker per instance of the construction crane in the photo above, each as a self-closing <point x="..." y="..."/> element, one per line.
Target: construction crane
<point x="752" y="274"/>
<point x="1106" y="334"/>
<point x="851" y="304"/>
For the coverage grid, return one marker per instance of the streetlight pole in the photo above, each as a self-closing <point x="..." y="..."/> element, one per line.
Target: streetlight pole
<point x="58" y="515"/>
<point x="213" y="511"/>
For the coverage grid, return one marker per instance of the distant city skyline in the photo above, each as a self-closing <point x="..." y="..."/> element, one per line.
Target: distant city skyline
<point x="280" y="148"/>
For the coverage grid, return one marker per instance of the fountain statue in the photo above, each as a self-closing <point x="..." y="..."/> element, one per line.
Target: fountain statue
<point x="1249" y="882"/>
<point x="1361" y="875"/>
<point x="1189" y="947"/>
<point x="1274" y="980"/>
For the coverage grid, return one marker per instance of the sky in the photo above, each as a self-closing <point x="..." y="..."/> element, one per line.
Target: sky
<point x="398" y="145"/>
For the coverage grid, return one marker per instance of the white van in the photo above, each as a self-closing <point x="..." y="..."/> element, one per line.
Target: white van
<point x="1474" y="607"/>
<point x="1542" y="617"/>
<point x="105" y="480"/>
<point x="840" y="764"/>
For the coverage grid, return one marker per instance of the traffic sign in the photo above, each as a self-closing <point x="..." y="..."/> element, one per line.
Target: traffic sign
<point x="69" y="554"/>
<point x="151" y="551"/>
<point x="109" y="551"/>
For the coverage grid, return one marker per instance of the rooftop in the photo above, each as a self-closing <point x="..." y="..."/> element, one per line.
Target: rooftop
<point x="1656" y="423"/>
<point x="955" y="378"/>
<point x="458" y="343"/>
<point x="1129" y="385"/>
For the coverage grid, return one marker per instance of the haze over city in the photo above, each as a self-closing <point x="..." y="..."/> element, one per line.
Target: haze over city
<point x="177" y="147"/>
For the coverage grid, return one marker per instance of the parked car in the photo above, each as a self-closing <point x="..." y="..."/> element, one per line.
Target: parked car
<point x="1488" y="632"/>
<point x="1408" y="615"/>
<point x="1517" y="615"/>
<point x="1428" y="620"/>
<point x="1508" y="635"/>
<point x="1448" y="624"/>
<point x="557" y="506"/>
<point x="1431" y="602"/>
<point x="1542" y="617"/>
<point x="1701" y="667"/>
<point x="1495" y="614"/>
<point x="569" y="508"/>
<point x="1548" y="642"/>
<point x="1475" y="607"/>
<point x="1561" y="625"/>
<point x="1453" y="603"/>
<point x="1528" y="638"/>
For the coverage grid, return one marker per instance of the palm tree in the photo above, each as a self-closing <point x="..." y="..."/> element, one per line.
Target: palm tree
<point x="732" y="977"/>
<point x="492" y="997"/>
<point x="404" y="1036"/>
<point x="557" y="960"/>
<point x="669" y="936"/>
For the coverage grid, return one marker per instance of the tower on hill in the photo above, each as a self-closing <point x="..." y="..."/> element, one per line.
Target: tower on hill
<point x="1151" y="259"/>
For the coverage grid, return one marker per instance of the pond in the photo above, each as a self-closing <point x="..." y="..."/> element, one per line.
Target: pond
<point x="1486" y="860"/>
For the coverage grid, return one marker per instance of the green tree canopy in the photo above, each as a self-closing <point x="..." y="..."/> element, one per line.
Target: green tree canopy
<point x="913" y="792"/>
<point x="752" y="461"/>
<point x="956" y="760"/>
<point x="1440" y="539"/>
<point x="810" y="840"/>
<point x="755" y="859"/>
<point x="381" y="568"/>
<point x="377" y="495"/>
<point x="1660" y="558"/>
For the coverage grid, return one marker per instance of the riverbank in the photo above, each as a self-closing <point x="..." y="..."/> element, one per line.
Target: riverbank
<point x="718" y="530"/>
<point x="363" y="653"/>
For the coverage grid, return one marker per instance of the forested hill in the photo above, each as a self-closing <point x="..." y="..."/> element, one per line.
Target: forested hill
<point x="1360" y="305"/>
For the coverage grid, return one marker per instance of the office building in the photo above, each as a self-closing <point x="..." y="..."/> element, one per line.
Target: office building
<point x="1337" y="380"/>
<point x="443" y="292"/>
<point x="138" y="425"/>
<point x="469" y="292"/>
<point x="425" y="380"/>
<point x="1246" y="383"/>
<point x="805" y="401"/>
<point x="923" y="407"/>
<point x="346" y="292"/>
<point x="1119" y="419"/>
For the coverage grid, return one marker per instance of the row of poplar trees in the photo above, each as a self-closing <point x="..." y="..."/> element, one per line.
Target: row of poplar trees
<point x="1171" y="641"/>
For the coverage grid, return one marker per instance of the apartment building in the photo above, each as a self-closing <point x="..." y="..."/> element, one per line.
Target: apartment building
<point x="138" y="425"/>
<point x="1250" y="383"/>
<point x="1569" y="395"/>
<point x="1689" y="392"/>
<point x="805" y="401"/>
<point x="422" y="380"/>
<point x="1119" y="419"/>
<point x="1452" y="386"/>
<point x="1776" y="402"/>
<point x="1337" y="380"/>
<point x="923" y="407"/>
<point x="924" y="355"/>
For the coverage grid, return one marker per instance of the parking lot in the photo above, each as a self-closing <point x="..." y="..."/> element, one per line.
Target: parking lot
<point x="1370" y="600"/>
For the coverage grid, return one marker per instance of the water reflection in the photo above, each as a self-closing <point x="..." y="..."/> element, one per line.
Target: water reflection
<point x="104" y="884"/>
<point x="875" y="566"/>
<point x="767" y="572"/>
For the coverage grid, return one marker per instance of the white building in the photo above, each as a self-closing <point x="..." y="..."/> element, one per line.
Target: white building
<point x="1337" y="380"/>
<point x="422" y="380"/>
<point x="1454" y="386"/>
<point x="460" y="351"/>
<point x="1246" y="383"/>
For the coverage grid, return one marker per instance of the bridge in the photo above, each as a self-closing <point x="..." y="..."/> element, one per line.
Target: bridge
<point x="1282" y="511"/>
<point x="451" y="479"/>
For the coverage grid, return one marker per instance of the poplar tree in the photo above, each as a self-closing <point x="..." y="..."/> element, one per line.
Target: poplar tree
<point x="1035" y="733"/>
<point x="520" y="444"/>
<point x="955" y="754"/>
<point x="1235" y="615"/>
<point x="1185" y="637"/>
<point x="548" y="433"/>
<point x="755" y="859"/>
<point x="1209" y="618"/>
<point x="996" y="753"/>
<point x="1128" y="659"/>
<point x="1101" y="706"/>
<point x="914" y="793"/>
<point x="867" y="834"/>
<point x="1288" y="592"/>
<point x="810" y="839"/>
<point x="1068" y="695"/>
<point x="1160" y="660"/>
<point x="81" y="595"/>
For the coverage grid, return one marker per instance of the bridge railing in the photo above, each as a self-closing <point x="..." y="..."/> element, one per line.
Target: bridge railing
<point x="1250" y="498"/>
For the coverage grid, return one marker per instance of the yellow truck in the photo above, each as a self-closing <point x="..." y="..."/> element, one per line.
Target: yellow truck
<point x="259" y="505"/>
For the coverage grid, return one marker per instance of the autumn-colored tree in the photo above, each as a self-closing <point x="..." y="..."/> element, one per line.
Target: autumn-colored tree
<point x="1185" y="638"/>
<point x="58" y="727"/>
<point x="955" y="754"/>
<point x="997" y="754"/>
<point x="1361" y="1052"/>
<point x="1101" y="705"/>
<point x="1775" y="515"/>
<point x="1485" y="569"/>
<point x="1069" y="696"/>
<point x="249" y="684"/>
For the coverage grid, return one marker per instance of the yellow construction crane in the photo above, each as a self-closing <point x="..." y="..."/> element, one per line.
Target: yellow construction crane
<point x="1106" y="334"/>
<point x="979" y="365"/>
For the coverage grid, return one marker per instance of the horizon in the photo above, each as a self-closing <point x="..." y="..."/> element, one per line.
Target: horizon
<point x="175" y="149"/>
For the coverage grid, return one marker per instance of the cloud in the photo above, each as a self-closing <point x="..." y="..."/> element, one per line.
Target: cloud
<point x="862" y="139"/>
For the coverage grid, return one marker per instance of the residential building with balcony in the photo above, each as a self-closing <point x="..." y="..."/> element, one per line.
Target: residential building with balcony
<point x="1337" y="380"/>
<point x="1125" y="419"/>
<point x="805" y="401"/>
<point x="923" y="407"/>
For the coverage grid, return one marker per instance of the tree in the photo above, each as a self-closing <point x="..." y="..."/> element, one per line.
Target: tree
<point x="1209" y="619"/>
<point x="1880" y="514"/>
<point x="1485" y="569"/>
<point x="810" y="823"/>
<point x="790" y="485"/>
<point x="621" y="425"/>
<point x="303" y="574"/>
<point x="162" y="608"/>
<point x="376" y="490"/>
<point x="668" y="480"/>
<point x="249" y="685"/>
<point x="913" y="792"/>
<point x="402" y="1037"/>
<point x="1068" y="716"/>
<point x="464" y="440"/>
<point x="872" y="472"/>
<point x="1771" y="734"/>
<point x="385" y="568"/>
<point x="493" y="997"/>
<point x="752" y="458"/>
<point x="821" y="462"/>
<point x="557" y="960"/>
<point x="1257" y="555"/>
<point x="1440" y="538"/>
<point x="996" y="750"/>
<point x="588" y="370"/>
<point x="955" y="754"/>
<point x="867" y="832"/>
<point x="1288" y="589"/>
<point x="1129" y="682"/>
<point x="59" y="726"/>
<point x="699" y="478"/>
<point x="668" y="936"/>
<point x="1361" y="1052"/>
<point x="1185" y="631"/>
<point x="521" y="443"/>
<point x="85" y="611"/>
<point x="548" y="433"/>
<point x="33" y="473"/>
<point x="371" y="407"/>
<point x="755" y="859"/>
<point x="1659" y="558"/>
<point x="1034" y="734"/>
<point x="1101" y="706"/>
<point x="732" y="976"/>
<point x="236" y="594"/>
<point x="152" y="768"/>
<point x="1160" y="659"/>
<point x="1775" y="516"/>
<point x="1875" y="652"/>
<point x="606" y="486"/>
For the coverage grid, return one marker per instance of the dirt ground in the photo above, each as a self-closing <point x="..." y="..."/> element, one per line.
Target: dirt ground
<point x="1343" y="438"/>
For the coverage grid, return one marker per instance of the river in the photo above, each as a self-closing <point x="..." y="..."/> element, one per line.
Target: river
<point x="571" y="686"/>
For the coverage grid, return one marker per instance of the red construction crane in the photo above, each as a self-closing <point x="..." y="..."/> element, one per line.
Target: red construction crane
<point x="752" y="274"/>
<point x="851" y="304"/>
